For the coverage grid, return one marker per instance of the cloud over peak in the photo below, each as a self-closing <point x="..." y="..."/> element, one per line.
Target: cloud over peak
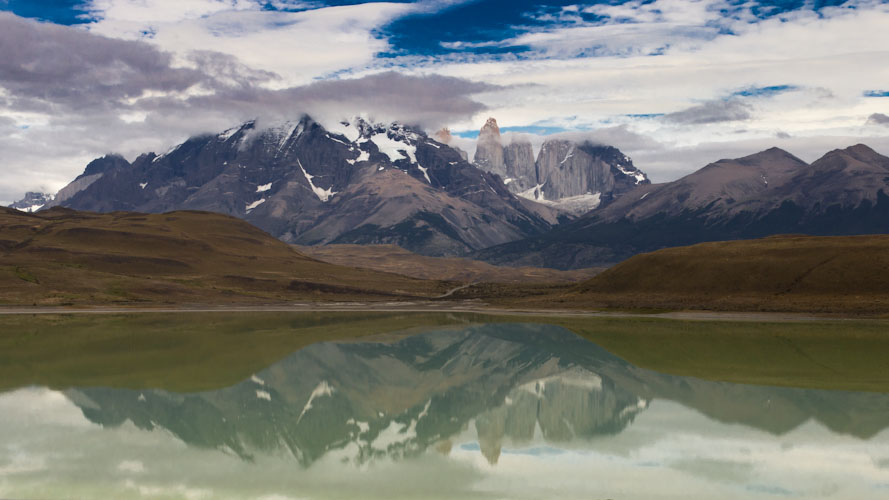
<point x="716" y="111"/>
<point x="68" y="95"/>
<point x="878" y="119"/>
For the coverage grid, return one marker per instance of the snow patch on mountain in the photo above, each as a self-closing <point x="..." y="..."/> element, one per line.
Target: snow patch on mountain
<point x="251" y="206"/>
<point x="322" y="194"/>
<point x="425" y="173"/>
<point x="334" y="139"/>
<point x="347" y="129"/>
<point x="576" y="205"/>
<point x="635" y="174"/>
<point x="394" y="149"/>
<point x="363" y="156"/>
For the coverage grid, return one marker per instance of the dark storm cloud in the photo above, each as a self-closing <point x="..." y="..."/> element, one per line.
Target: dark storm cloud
<point x="68" y="66"/>
<point x="878" y="119"/>
<point x="427" y="100"/>
<point x="711" y="112"/>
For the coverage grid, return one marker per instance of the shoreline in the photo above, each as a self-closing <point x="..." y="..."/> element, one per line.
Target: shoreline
<point x="421" y="307"/>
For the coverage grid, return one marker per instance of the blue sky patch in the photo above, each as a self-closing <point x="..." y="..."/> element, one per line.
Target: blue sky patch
<point x="478" y="27"/>
<point x="769" y="91"/>
<point x="527" y="129"/>
<point x="876" y="93"/>
<point x="56" y="11"/>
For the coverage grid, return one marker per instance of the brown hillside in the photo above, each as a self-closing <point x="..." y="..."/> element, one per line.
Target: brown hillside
<point x="394" y="259"/>
<point x="781" y="273"/>
<point x="61" y="256"/>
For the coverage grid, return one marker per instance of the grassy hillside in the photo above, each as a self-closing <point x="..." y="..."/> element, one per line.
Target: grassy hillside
<point x="394" y="259"/>
<point x="848" y="274"/>
<point x="64" y="257"/>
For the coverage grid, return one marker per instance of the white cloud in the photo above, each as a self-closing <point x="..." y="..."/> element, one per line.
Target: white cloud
<point x="152" y="12"/>
<point x="298" y="46"/>
<point x="832" y="58"/>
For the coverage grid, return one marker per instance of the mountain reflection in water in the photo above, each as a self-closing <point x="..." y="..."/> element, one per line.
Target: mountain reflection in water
<point x="489" y="389"/>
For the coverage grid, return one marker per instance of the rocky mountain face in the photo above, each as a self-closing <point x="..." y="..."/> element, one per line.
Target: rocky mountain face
<point x="489" y="150"/>
<point x="444" y="136"/>
<point x="357" y="183"/>
<point x="33" y="201"/>
<point x="772" y="192"/>
<point x="514" y="383"/>
<point x="574" y="177"/>
<point x="522" y="173"/>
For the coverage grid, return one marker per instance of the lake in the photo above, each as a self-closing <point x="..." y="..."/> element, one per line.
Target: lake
<point x="351" y="405"/>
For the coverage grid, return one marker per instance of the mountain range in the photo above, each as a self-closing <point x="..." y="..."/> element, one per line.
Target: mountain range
<point x="361" y="183"/>
<point x="576" y="205"/>
<point x="845" y="192"/>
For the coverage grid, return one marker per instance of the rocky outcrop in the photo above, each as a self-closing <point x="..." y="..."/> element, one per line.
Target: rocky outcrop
<point x="489" y="150"/>
<point x="521" y="169"/>
<point x="566" y="169"/>
<point x="33" y="201"/>
<point x="357" y="182"/>
<point x="444" y="136"/>
<point x="572" y="176"/>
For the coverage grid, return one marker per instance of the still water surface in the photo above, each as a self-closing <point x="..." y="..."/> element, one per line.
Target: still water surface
<point x="481" y="411"/>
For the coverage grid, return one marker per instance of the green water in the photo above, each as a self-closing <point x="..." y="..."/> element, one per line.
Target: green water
<point x="430" y="406"/>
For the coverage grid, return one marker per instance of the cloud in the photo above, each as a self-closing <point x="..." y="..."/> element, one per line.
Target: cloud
<point x="162" y="11"/>
<point x="711" y="112"/>
<point x="68" y="95"/>
<point x="54" y="64"/>
<point x="300" y="46"/>
<point x="878" y="119"/>
<point x="62" y="68"/>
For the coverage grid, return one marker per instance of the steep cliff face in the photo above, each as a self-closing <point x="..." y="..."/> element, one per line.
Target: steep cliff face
<point x="572" y="176"/>
<point x="565" y="169"/>
<point x="521" y="170"/>
<point x="489" y="151"/>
